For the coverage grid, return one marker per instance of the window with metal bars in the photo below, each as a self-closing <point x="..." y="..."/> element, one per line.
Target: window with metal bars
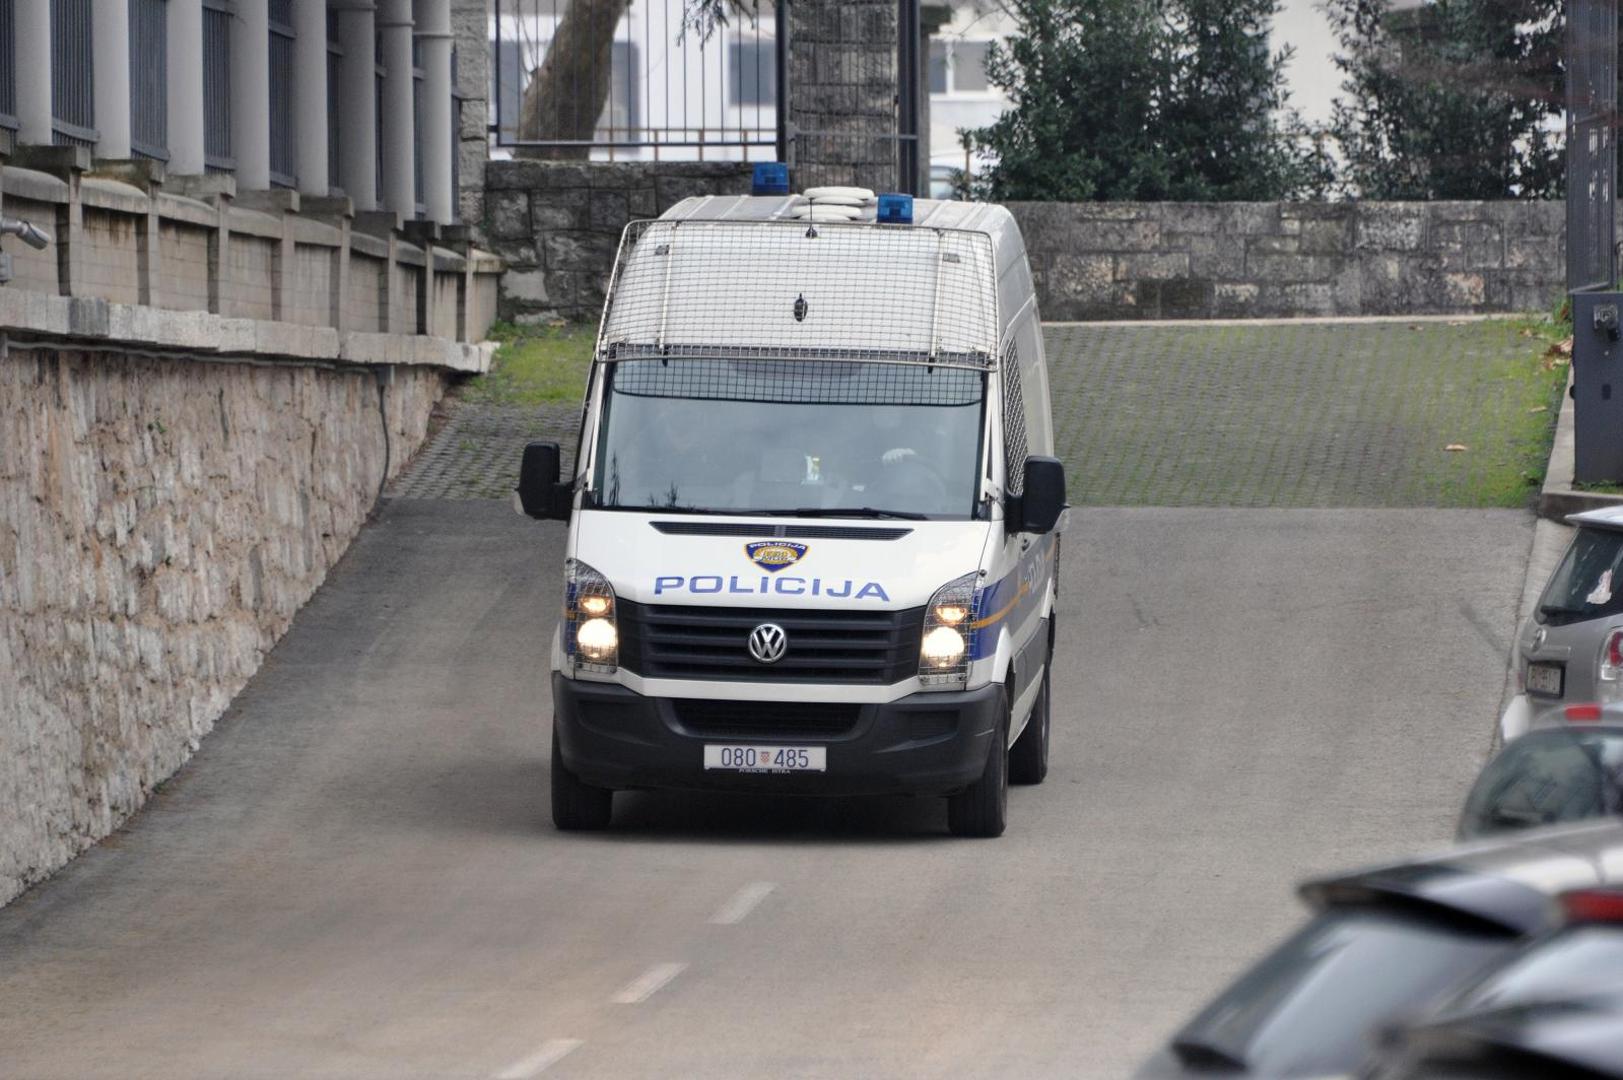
<point x="217" y="148"/>
<point x="149" y="79"/>
<point x="335" y="63"/>
<point x="456" y="139"/>
<point x="8" y="74"/>
<point x="1014" y="421"/>
<point x="73" y="86"/>
<point x="283" y="164"/>
<point x="381" y="72"/>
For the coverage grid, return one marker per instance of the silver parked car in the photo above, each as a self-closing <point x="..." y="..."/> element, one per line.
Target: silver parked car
<point x="1566" y="773"/>
<point x="1569" y="652"/>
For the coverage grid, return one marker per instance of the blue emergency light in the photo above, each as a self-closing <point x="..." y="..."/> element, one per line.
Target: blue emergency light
<point x="771" y="178"/>
<point x="895" y="209"/>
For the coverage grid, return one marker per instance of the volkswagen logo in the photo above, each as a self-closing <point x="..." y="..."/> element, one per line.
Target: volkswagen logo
<point x="768" y="643"/>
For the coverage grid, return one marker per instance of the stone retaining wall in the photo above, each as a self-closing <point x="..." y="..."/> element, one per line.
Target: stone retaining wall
<point x="1247" y="260"/>
<point x="161" y="520"/>
<point x="558" y="225"/>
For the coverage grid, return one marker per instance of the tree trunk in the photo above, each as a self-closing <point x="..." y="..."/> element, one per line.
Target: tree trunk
<point x="566" y="93"/>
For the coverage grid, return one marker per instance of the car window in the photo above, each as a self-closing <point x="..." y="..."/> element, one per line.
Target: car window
<point x="1307" y="1009"/>
<point x="1546" y="777"/>
<point x="1588" y="584"/>
<point x="1578" y="962"/>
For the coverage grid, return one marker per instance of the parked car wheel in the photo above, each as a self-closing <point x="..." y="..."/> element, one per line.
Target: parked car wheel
<point x="577" y="807"/>
<point x="1028" y="758"/>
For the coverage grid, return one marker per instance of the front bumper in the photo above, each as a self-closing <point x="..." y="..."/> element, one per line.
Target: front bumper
<point x="923" y="744"/>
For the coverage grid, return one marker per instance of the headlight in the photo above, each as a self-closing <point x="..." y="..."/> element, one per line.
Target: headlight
<point x="591" y="639"/>
<point x="948" y="622"/>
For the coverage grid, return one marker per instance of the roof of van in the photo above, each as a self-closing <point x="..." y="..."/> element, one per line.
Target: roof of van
<point x="989" y="219"/>
<point x="737" y="276"/>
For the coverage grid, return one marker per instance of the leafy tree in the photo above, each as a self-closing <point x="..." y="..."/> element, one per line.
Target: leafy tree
<point x="1457" y="99"/>
<point x="1143" y="99"/>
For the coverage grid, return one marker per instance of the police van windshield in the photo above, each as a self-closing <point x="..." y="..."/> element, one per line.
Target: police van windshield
<point x="828" y="438"/>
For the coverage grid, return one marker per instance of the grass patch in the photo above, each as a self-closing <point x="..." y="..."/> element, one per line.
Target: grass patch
<point x="535" y="365"/>
<point x="1532" y="383"/>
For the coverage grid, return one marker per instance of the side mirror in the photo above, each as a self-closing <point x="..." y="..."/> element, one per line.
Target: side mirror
<point x="540" y="495"/>
<point x="1043" y="497"/>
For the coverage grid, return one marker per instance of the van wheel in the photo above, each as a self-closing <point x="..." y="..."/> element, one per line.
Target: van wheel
<point x="982" y="808"/>
<point x="1028" y="758"/>
<point x="577" y="807"/>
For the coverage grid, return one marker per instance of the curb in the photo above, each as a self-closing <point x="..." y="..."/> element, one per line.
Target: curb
<point x="1558" y="497"/>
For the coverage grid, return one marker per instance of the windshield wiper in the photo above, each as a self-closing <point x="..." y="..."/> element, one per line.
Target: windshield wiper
<point x="839" y="511"/>
<point x="1548" y="610"/>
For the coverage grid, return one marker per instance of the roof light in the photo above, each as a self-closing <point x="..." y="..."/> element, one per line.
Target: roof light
<point x="771" y="178"/>
<point x="1587" y="713"/>
<point x="1593" y="906"/>
<point x="895" y="209"/>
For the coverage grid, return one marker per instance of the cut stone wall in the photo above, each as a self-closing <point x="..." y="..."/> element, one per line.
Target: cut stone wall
<point x="557" y="225"/>
<point x="161" y="521"/>
<point x="843" y="79"/>
<point x="1094" y="261"/>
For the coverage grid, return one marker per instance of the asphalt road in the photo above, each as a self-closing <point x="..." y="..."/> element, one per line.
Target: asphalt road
<point x="356" y="876"/>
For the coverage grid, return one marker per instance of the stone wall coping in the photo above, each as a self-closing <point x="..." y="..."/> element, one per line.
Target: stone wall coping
<point x="316" y="233"/>
<point x="136" y="326"/>
<point x="172" y="207"/>
<point x="255" y="223"/>
<point x="369" y="245"/>
<point x="33" y="184"/>
<point x="105" y="194"/>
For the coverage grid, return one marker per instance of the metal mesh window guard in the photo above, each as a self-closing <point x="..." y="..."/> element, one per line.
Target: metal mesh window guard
<point x="655" y="91"/>
<point x="809" y="382"/>
<point x="283" y="164"/>
<point x="380" y="73"/>
<point x="217" y="147"/>
<point x="73" y="88"/>
<point x="8" y="74"/>
<point x="149" y="79"/>
<point x="837" y="290"/>
<point x="335" y="61"/>
<point x="417" y="128"/>
<point x="1014" y="421"/>
<point x="456" y="140"/>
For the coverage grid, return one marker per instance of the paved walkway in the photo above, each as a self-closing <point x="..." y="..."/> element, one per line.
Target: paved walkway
<point x="1281" y="415"/>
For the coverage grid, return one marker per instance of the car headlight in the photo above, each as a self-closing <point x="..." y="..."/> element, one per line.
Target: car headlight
<point x="591" y="638"/>
<point x="949" y="620"/>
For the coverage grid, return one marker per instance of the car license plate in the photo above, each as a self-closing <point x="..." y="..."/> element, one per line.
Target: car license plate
<point x="766" y="759"/>
<point x="1544" y="679"/>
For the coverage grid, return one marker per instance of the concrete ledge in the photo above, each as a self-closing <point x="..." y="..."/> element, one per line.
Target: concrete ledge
<point x="1558" y="497"/>
<point x="98" y="323"/>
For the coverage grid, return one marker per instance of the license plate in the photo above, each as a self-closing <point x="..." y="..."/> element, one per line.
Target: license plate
<point x="766" y="759"/>
<point x="1544" y="679"/>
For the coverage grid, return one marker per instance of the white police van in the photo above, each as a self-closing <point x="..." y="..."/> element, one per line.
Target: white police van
<point x="814" y="512"/>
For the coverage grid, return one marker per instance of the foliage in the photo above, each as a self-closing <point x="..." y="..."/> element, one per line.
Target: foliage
<point x="1144" y="99"/>
<point x="535" y="365"/>
<point x="1454" y="100"/>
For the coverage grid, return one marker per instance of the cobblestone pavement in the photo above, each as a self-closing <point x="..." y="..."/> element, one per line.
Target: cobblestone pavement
<point x="1288" y="415"/>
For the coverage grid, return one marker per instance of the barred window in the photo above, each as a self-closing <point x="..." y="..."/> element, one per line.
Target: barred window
<point x="1014" y="421"/>
<point x="149" y="79"/>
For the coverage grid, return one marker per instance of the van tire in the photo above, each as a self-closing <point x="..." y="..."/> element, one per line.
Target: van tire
<point x="982" y="808"/>
<point x="577" y="807"/>
<point x="1028" y="758"/>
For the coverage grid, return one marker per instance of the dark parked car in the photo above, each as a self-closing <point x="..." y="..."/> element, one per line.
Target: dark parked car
<point x="1552" y="775"/>
<point x="1387" y="944"/>
<point x="1551" y="1011"/>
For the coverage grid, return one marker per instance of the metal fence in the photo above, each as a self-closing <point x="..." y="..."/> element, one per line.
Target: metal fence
<point x="217" y="150"/>
<point x="73" y="89"/>
<point x="8" y="74"/>
<point x="283" y="162"/>
<point x="417" y="127"/>
<point x="335" y="64"/>
<point x="1591" y="144"/>
<point x="632" y="83"/>
<point x="149" y="79"/>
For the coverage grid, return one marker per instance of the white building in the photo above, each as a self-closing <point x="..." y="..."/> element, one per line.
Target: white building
<point x="348" y="97"/>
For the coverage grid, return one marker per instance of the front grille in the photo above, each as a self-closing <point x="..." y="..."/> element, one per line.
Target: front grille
<point x="792" y="532"/>
<point x="679" y="642"/>
<point x="766" y="719"/>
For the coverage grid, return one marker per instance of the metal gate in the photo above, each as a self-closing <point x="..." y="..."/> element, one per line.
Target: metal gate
<point x="853" y="89"/>
<point x="1597" y="354"/>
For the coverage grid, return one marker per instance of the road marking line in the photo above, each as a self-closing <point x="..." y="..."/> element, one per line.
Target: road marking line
<point x="742" y="903"/>
<point x="552" y="1051"/>
<point x="647" y="984"/>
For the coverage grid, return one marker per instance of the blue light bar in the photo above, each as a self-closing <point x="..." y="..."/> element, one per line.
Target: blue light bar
<point x="771" y="178"/>
<point x="895" y="209"/>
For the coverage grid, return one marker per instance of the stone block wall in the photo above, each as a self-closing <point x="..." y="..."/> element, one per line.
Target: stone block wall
<point x="843" y="71"/>
<point x="1095" y="261"/>
<point x="161" y="521"/>
<point x="557" y="225"/>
